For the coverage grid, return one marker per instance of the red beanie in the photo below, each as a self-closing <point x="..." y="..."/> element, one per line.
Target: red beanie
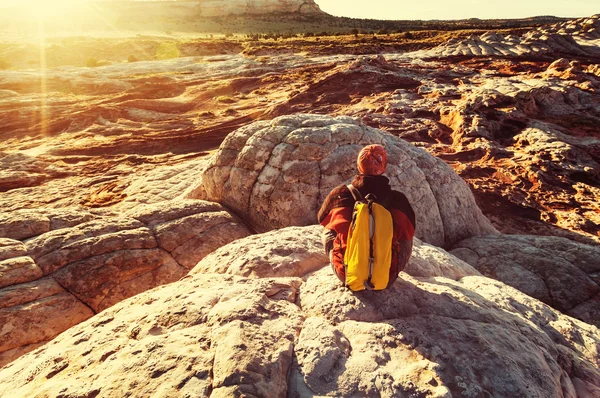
<point x="372" y="160"/>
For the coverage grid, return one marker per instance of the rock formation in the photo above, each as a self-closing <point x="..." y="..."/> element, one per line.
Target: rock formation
<point x="100" y="204"/>
<point x="277" y="174"/>
<point x="573" y="38"/>
<point x="214" y="334"/>
<point x="520" y="128"/>
<point x="215" y="8"/>
<point x="60" y="267"/>
<point x="557" y="271"/>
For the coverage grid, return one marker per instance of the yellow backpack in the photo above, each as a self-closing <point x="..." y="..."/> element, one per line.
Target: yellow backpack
<point x="368" y="255"/>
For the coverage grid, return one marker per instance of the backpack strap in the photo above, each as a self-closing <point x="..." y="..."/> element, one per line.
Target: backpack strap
<point x="355" y="193"/>
<point x="359" y="198"/>
<point x="368" y="284"/>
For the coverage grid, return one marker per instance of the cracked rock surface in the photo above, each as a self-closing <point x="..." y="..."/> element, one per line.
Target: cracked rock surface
<point x="277" y="173"/>
<point x="71" y="264"/>
<point x="557" y="271"/>
<point x="217" y="335"/>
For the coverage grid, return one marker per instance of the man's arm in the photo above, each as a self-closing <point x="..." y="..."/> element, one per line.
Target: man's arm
<point x="404" y="232"/>
<point x="338" y="197"/>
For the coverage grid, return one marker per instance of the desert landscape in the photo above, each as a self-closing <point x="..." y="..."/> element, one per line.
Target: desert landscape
<point x="160" y="179"/>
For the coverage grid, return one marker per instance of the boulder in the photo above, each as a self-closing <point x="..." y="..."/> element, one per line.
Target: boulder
<point x="292" y="251"/>
<point x="190" y="229"/>
<point x="304" y="335"/>
<point x="277" y="173"/>
<point x="560" y="272"/>
<point x="211" y="335"/>
<point x="298" y="251"/>
<point x="82" y="264"/>
<point x="438" y="337"/>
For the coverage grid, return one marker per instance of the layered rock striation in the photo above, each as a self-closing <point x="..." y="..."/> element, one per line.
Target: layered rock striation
<point x="574" y="38"/>
<point x="60" y="267"/>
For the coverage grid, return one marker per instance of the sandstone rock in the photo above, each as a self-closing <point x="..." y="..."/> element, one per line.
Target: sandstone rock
<point x="298" y="251"/>
<point x="205" y="336"/>
<point x="551" y="40"/>
<point x="225" y="335"/>
<point x="422" y="337"/>
<point x="99" y="260"/>
<point x="161" y="184"/>
<point x="11" y="248"/>
<point x="18" y="270"/>
<point x="557" y="271"/>
<point x="35" y="312"/>
<point x="101" y="281"/>
<point x="55" y="249"/>
<point x="213" y="8"/>
<point x="276" y="174"/>
<point x="292" y="251"/>
<point x="189" y="229"/>
<point x="430" y="261"/>
<point x="23" y="225"/>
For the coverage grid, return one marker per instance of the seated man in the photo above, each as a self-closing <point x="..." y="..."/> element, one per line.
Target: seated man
<point x="337" y="210"/>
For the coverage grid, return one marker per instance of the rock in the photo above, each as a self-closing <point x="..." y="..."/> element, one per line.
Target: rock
<point x="23" y="225"/>
<point x="422" y="338"/>
<point x="215" y="8"/>
<point x="267" y="172"/>
<point x="292" y="251"/>
<point x="557" y="271"/>
<point x="35" y="312"/>
<point x="161" y="184"/>
<point x="430" y="261"/>
<point x="99" y="262"/>
<point x="55" y="249"/>
<point x="226" y="335"/>
<point x="298" y="251"/>
<point x="18" y="270"/>
<point x="11" y="248"/>
<point x="208" y="335"/>
<point x="551" y="40"/>
<point x="103" y="280"/>
<point x="190" y="230"/>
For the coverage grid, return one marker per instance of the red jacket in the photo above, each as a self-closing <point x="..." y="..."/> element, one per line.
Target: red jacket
<point x="336" y="215"/>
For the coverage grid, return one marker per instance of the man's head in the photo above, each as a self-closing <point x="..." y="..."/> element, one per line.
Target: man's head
<point x="372" y="160"/>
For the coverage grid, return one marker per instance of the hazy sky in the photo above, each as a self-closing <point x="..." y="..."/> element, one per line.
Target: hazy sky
<point x="458" y="9"/>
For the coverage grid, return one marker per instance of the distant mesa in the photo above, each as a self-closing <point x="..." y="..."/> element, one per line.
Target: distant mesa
<point x="215" y="8"/>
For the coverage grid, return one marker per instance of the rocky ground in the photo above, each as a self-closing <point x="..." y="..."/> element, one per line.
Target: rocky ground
<point x="515" y="116"/>
<point x="108" y="186"/>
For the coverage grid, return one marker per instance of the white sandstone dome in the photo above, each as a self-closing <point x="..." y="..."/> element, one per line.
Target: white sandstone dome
<point x="277" y="173"/>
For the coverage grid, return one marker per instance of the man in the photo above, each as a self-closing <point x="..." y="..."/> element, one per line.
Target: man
<point x="336" y="212"/>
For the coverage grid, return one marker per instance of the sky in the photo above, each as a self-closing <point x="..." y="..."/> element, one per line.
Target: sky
<point x="458" y="9"/>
